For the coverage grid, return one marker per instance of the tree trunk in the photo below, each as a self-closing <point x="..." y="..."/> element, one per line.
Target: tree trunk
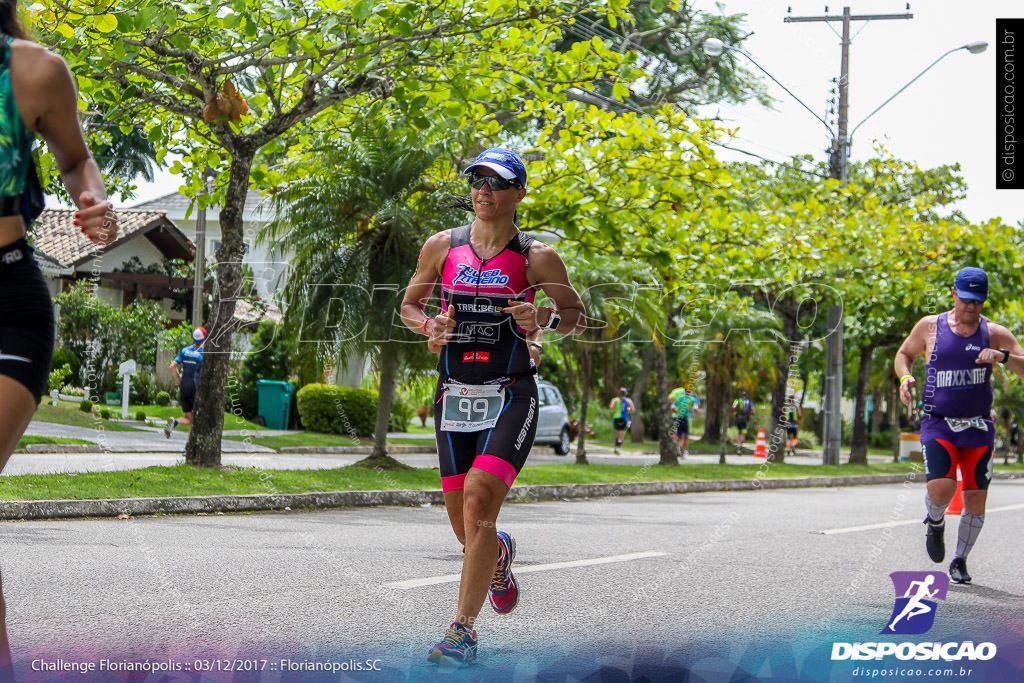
<point x="876" y="414"/>
<point x="581" y="445"/>
<point x="666" y="446"/>
<point x="388" y="367"/>
<point x="724" y="419"/>
<point x="570" y="375"/>
<point x="786" y="308"/>
<point x="636" y="430"/>
<point x="859" y="446"/>
<point x="203" y="448"/>
<point x="716" y="416"/>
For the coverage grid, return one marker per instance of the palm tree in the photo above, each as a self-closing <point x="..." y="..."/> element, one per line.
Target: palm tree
<point x="604" y="285"/>
<point x="356" y="225"/>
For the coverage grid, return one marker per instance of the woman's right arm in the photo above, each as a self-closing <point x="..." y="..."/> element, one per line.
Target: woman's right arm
<point x="57" y="122"/>
<point x="421" y="285"/>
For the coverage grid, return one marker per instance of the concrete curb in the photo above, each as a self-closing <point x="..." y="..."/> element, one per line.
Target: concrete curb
<point x="57" y="509"/>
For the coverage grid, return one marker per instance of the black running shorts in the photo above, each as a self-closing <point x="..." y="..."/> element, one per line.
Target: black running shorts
<point x="682" y="426"/>
<point x="26" y="320"/>
<point x="187" y="396"/>
<point x="501" y="450"/>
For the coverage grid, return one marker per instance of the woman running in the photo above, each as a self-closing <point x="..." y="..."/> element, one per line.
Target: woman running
<point x="485" y="413"/>
<point x="37" y="96"/>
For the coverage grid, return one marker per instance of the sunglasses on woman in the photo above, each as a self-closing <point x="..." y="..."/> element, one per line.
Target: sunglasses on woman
<point x="496" y="183"/>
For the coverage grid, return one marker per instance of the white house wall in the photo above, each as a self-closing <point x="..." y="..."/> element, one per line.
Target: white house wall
<point x="267" y="266"/>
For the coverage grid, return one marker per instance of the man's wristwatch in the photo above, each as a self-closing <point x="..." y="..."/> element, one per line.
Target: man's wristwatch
<point x="538" y="346"/>
<point x="554" y="320"/>
<point x="1006" y="355"/>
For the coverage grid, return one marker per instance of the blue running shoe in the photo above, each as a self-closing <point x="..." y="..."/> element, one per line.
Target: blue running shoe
<point x="504" y="592"/>
<point x="457" y="647"/>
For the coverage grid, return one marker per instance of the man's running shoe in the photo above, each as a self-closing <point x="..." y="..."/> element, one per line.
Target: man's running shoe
<point x="457" y="647"/>
<point x="934" y="539"/>
<point x="169" y="427"/>
<point x="958" y="570"/>
<point x="504" y="593"/>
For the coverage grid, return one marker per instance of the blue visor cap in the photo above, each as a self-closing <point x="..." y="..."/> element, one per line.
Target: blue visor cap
<point x="971" y="284"/>
<point x="504" y="162"/>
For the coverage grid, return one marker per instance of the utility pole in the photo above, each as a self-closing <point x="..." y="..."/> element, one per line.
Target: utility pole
<point x="200" y="260"/>
<point x="839" y="156"/>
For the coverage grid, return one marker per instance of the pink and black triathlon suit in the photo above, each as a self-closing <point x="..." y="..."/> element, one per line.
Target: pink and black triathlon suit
<point x="487" y="348"/>
<point x="956" y="428"/>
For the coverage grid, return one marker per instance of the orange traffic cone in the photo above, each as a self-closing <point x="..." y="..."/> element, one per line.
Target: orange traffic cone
<point x="761" y="451"/>
<point x="956" y="506"/>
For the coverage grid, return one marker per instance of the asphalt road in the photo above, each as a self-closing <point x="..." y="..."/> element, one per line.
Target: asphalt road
<point x="712" y="580"/>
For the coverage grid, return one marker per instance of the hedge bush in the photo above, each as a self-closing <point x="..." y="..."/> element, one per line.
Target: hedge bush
<point x="85" y="406"/>
<point x="337" y="410"/>
<point x="163" y="399"/>
<point x="105" y="413"/>
<point x="140" y="416"/>
<point x="62" y="357"/>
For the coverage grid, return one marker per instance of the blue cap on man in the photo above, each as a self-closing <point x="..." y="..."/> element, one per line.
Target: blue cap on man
<point x="504" y="162"/>
<point x="971" y="284"/>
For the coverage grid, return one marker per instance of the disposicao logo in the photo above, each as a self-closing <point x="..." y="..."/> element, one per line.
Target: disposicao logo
<point x="914" y="613"/>
<point x="916" y="592"/>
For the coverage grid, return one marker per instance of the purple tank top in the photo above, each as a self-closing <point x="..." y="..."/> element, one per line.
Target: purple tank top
<point x="954" y="385"/>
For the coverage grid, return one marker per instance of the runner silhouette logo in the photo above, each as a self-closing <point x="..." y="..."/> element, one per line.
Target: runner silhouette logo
<point x="916" y="592"/>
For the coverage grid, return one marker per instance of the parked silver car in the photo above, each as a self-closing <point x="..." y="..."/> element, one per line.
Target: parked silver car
<point x="553" y="419"/>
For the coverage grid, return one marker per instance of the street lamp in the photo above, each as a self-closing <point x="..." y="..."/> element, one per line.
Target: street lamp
<point x="839" y="162"/>
<point x="977" y="47"/>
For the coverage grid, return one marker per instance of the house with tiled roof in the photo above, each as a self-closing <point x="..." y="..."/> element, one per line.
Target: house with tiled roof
<point x="268" y="267"/>
<point x="65" y="255"/>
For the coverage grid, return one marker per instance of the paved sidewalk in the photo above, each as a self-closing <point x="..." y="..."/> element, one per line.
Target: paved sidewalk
<point x="151" y="440"/>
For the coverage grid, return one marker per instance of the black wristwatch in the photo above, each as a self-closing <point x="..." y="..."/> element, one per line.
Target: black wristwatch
<point x="1006" y="355"/>
<point x="539" y="347"/>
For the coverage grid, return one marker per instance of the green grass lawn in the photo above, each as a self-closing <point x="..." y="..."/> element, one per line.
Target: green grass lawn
<point x="25" y="440"/>
<point x="67" y="413"/>
<point x="317" y="439"/>
<point x="184" y="480"/>
<point x="164" y="412"/>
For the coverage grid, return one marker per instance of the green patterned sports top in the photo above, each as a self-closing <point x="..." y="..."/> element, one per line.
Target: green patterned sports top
<point x="15" y="139"/>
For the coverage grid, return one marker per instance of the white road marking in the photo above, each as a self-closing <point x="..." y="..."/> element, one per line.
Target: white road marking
<point x="902" y="522"/>
<point x="454" y="578"/>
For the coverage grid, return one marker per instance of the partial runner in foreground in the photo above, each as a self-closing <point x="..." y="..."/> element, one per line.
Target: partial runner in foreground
<point x="37" y="98"/>
<point x="485" y="415"/>
<point x="960" y="347"/>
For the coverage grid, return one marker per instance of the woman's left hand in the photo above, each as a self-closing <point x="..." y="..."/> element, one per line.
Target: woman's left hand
<point x="96" y="219"/>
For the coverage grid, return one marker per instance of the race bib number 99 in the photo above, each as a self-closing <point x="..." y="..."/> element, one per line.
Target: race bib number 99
<point x="471" y="407"/>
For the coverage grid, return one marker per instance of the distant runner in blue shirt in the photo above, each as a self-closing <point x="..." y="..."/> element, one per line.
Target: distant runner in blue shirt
<point x="190" y="360"/>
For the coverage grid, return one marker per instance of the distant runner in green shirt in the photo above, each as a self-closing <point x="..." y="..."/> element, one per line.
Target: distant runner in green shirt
<point x="684" y="405"/>
<point x="622" y="414"/>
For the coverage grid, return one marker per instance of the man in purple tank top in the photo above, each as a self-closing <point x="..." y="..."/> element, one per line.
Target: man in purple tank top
<point x="960" y="348"/>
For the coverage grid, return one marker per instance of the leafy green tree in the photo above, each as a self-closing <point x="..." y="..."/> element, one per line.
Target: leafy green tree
<point x="103" y="336"/>
<point x="356" y="226"/>
<point x="665" y="39"/>
<point x="243" y="82"/>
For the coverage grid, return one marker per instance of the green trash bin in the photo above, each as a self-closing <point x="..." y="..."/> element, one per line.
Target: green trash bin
<point x="275" y="400"/>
